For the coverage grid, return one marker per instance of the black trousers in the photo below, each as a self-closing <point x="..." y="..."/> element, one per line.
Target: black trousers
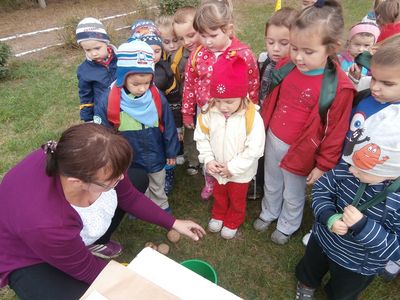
<point x="45" y="282"/>
<point x="343" y="283"/>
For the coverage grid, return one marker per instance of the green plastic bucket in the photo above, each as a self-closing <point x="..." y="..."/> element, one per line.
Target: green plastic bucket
<point x="202" y="268"/>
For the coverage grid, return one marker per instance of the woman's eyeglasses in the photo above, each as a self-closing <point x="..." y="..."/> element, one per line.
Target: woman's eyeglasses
<point x="106" y="186"/>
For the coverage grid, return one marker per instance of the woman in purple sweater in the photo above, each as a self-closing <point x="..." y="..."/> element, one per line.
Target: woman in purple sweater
<point x="57" y="213"/>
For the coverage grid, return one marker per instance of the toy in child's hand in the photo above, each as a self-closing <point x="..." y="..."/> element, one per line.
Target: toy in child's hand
<point x="163" y="248"/>
<point x="173" y="236"/>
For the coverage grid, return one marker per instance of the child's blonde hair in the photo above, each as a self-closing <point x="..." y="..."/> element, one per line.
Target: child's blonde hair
<point x="327" y="19"/>
<point x="376" y="3"/>
<point x="283" y="17"/>
<point x="164" y="23"/>
<point x="213" y="15"/>
<point x="184" y="15"/>
<point x="388" y="12"/>
<point x="244" y="104"/>
<point x="388" y="54"/>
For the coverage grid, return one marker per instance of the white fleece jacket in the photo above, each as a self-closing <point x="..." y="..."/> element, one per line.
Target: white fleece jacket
<point x="227" y="142"/>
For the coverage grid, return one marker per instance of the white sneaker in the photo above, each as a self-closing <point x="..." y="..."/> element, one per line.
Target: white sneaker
<point x="228" y="233"/>
<point x="180" y="160"/>
<point x="215" y="225"/>
<point x="306" y="238"/>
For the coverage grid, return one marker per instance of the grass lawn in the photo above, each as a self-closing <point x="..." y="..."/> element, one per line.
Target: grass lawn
<point x="40" y="100"/>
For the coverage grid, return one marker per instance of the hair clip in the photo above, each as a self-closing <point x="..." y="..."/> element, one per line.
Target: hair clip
<point x="49" y="147"/>
<point x="319" y="3"/>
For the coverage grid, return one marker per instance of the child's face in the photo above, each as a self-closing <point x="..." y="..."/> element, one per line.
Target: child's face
<point x="385" y="83"/>
<point x="307" y="3"/>
<point x="365" y="177"/>
<point x="277" y="42"/>
<point x="95" y="50"/>
<point x="217" y="40"/>
<point x="306" y="50"/>
<point x="227" y="106"/>
<point x="187" y="35"/>
<point x="360" y="43"/>
<point x="157" y="53"/>
<point x="170" y="42"/>
<point x="138" y="84"/>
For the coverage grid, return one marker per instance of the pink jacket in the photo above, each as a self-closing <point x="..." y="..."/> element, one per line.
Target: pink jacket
<point x="197" y="78"/>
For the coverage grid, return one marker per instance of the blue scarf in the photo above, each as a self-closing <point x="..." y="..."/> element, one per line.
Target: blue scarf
<point x="142" y="108"/>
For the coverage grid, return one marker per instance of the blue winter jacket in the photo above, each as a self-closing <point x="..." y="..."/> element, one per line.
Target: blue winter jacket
<point x="93" y="80"/>
<point x="364" y="250"/>
<point x="151" y="147"/>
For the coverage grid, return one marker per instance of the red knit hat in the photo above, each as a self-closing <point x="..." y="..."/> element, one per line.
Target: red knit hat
<point x="229" y="78"/>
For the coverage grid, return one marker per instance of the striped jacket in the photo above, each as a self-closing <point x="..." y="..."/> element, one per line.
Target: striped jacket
<point x="366" y="250"/>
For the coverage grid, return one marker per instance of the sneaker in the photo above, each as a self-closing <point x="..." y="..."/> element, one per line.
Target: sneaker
<point x="192" y="170"/>
<point x="228" y="233"/>
<point x="392" y="269"/>
<point x="208" y="188"/>
<point x="180" y="160"/>
<point x="279" y="238"/>
<point x="215" y="225"/>
<point x="110" y="250"/>
<point x="261" y="225"/>
<point x="306" y="238"/>
<point x="303" y="292"/>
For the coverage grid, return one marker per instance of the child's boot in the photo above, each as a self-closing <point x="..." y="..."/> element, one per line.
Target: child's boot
<point x="208" y="188"/>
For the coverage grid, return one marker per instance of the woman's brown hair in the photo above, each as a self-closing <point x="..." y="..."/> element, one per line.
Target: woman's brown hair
<point x="86" y="148"/>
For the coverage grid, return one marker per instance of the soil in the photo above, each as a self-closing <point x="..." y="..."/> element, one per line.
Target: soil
<point x="57" y="14"/>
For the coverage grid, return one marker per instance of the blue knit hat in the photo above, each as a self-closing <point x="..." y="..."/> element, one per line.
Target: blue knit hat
<point x="135" y="57"/>
<point x="147" y="31"/>
<point x="91" y="29"/>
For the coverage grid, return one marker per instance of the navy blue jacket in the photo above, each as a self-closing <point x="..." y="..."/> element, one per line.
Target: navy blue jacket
<point x="93" y="80"/>
<point x="367" y="249"/>
<point x="151" y="147"/>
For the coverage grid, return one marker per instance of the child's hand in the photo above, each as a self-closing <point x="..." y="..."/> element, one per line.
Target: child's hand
<point x="180" y="136"/>
<point x="223" y="171"/>
<point x="212" y="167"/>
<point x="351" y="215"/>
<point x="171" y="161"/>
<point x="314" y="175"/>
<point x="188" y="121"/>
<point x="355" y="72"/>
<point x="339" y="227"/>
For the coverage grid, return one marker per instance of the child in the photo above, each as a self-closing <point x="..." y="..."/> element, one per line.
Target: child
<point x="136" y="108"/>
<point x="97" y="71"/>
<point x="306" y="119"/>
<point x="170" y="42"/>
<point x="388" y="18"/>
<point x="277" y="46"/>
<point x="190" y="40"/>
<point x="214" y="22"/>
<point x="353" y="237"/>
<point x="362" y="37"/>
<point x="371" y="16"/>
<point x="230" y="138"/>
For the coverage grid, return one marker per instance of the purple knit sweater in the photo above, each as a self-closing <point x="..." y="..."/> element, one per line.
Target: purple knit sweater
<point x="37" y="224"/>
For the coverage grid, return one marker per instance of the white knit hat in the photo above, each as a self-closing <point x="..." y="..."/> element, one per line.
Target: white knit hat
<point x="91" y="29"/>
<point x="375" y="145"/>
<point x="135" y="57"/>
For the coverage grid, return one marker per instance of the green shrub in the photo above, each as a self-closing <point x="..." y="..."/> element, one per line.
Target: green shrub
<point x="168" y="7"/>
<point x="5" y="53"/>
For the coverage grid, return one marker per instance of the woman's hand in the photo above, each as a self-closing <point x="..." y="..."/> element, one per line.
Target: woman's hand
<point x="314" y="175"/>
<point x="189" y="228"/>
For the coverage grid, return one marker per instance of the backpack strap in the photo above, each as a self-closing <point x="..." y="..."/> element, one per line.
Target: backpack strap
<point x="249" y="115"/>
<point x="157" y="101"/>
<point x="175" y="63"/>
<point x="114" y="106"/>
<point x="172" y="87"/>
<point x="364" y="60"/>
<point x="277" y="75"/>
<point x="203" y="127"/>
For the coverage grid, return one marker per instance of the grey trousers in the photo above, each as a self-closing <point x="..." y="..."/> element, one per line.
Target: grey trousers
<point x="156" y="190"/>
<point x="284" y="192"/>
